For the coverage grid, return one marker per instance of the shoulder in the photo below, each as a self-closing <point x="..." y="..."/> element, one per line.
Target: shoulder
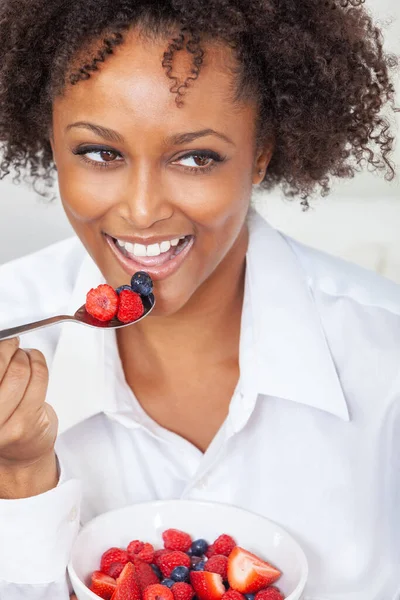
<point x="40" y="283"/>
<point x="339" y="280"/>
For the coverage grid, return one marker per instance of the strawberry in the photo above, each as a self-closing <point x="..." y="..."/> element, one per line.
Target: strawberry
<point x="102" y="303"/>
<point x="171" y="559"/>
<point x="127" y="586"/>
<point x="249" y="574"/>
<point x="176" y="540"/>
<point x="208" y="586"/>
<point x="233" y="595"/>
<point x="270" y="593"/>
<point x="158" y="592"/>
<point x="218" y="564"/>
<point x="113" y="555"/>
<point x="141" y="551"/>
<point x="182" y="591"/>
<point x="103" y="585"/>
<point x="115" y="570"/>
<point x="145" y="575"/>
<point x="130" y="307"/>
<point x="224" y="545"/>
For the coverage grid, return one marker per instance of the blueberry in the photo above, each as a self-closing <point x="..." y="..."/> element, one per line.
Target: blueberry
<point x="180" y="574"/>
<point x="199" y="547"/>
<point x="122" y="288"/>
<point x="249" y="596"/>
<point x="195" y="560"/>
<point x="200" y="566"/>
<point x="157" y="571"/>
<point x="227" y="586"/>
<point x="142" y="283"/>
<point x="168" y="583"/>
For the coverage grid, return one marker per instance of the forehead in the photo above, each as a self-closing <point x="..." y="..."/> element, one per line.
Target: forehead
<point x="132" y="86"/>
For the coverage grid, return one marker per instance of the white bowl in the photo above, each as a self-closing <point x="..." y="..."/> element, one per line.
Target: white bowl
<point x="201" y="520"/>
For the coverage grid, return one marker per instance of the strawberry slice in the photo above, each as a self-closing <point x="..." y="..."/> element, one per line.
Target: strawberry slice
<point x="248" y="574"/>
<point x="103" y="585"/>
<point x="127" y="585"/>
<point x="208" y="586"/>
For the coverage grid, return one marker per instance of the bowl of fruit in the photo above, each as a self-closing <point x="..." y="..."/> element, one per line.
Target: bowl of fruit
<point x="186" y="550"/>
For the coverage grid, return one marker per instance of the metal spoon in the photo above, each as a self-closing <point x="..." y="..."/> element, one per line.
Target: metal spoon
<point x="81" y="316"/>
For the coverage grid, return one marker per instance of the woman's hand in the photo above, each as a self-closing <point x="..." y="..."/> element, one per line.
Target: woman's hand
<point x="28" y="426"/>
<point x="73" y="597"/>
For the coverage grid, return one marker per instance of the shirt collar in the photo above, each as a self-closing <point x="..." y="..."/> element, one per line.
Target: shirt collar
<point x="283" y="353"/>
<point x="292" y="357"/>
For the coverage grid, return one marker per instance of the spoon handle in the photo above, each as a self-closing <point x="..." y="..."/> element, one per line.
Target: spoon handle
<point x="6" y="334"/>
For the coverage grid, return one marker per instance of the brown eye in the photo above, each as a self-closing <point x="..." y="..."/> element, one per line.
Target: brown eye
<point x="201" y="161"/>
<point x="108" y="155"/>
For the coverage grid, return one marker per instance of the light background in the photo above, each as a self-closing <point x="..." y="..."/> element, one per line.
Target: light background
<point x="360" y="220"/>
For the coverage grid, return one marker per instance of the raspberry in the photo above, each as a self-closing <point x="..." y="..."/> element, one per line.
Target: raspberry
<point x="134" y="548"/>
<point x="158" y="592"/>
<point x="130" y="307"/>
<point x="113" y="555"/>
<point x="270" y="593"/>
<point x="139" y="550"/>
<point x="176" y="540"/>
<point x="168" y="561"/>
<point x="224" y="545"/>
<point x="102" y="303"/>
<point x="210" y="551"/>
<point x="157" y="555"/>
<point x="116" y="569"/>
<point x="182" y="591"/>
<point x="233" y="595"/>
<point x="145" y="575"/>
<point x="218" y="564"/>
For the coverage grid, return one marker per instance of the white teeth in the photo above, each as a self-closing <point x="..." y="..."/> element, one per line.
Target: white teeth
<point x="139" y="250"/>
<point x="165" y="246"/>
<point x="129" y="247"/>
<point x="153" y="250"/>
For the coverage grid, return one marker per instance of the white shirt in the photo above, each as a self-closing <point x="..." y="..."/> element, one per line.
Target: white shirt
<point x="312" y="438"/>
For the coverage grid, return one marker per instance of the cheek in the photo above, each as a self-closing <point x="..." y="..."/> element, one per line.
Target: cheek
<point x="85" y="195"/>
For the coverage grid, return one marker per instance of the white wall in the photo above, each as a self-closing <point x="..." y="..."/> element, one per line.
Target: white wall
<point x="359" y="221"/>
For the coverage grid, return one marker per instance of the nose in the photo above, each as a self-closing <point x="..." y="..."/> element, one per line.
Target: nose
<point x="146" y="199"/>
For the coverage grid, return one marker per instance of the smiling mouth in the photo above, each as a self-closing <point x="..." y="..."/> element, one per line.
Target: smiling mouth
<point x="159" y="260"/>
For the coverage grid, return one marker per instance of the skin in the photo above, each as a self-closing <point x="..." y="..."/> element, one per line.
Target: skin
<point x="153" y="187"/>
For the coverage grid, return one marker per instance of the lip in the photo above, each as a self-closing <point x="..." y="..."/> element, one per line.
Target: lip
<point x="156" y="272"/>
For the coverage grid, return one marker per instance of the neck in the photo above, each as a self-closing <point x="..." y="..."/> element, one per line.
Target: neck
<point x="210" y="320"/>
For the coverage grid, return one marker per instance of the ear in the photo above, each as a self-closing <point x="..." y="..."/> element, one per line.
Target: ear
<point x="263" y="158"/>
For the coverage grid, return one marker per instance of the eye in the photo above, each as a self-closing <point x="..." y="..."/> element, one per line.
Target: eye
<point x="103" y="155"/>
<point x="199" y="160"/>
<point x="98" y="156"/>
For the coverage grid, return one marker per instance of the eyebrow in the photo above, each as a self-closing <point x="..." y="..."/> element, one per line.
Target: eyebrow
<point x="176" y="140"/>
<point x="104" y="132"/>
<point x="186" y="138"/>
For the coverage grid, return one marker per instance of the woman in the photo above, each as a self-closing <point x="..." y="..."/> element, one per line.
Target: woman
<point x="268" y="375"/>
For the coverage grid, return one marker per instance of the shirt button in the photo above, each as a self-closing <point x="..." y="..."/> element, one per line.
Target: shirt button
<point x="73" y="514"/>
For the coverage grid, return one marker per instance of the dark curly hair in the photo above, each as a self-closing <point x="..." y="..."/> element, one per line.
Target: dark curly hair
<point x="316" y="67"/>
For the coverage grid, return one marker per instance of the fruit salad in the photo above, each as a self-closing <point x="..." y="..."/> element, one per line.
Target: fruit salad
<point x="185" y="569"/>
<point x="125" y="303"/>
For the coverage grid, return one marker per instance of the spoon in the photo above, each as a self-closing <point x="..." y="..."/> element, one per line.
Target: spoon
<point x="81" y="316"/>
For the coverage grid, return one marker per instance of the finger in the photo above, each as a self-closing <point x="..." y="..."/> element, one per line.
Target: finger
<point x="14" y="385"/>
<point x="7" y="350"/>
<point x="73" y="597"/>
<point x="36" y="391"/>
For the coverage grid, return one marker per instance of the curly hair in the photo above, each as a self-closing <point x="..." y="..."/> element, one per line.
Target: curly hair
<point x="316" y="67"/>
